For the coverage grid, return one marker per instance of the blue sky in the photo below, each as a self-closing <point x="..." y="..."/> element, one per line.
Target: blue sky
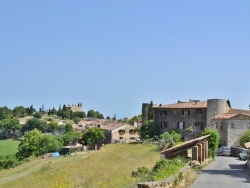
<point x="115" y="55"/>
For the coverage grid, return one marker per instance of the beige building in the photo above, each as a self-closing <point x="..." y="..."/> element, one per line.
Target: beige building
<point x="75" y="108"/>
<point x="119" y="132"/>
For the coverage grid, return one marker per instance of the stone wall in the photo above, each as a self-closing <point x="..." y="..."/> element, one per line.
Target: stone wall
<point x="174" y="116"/>
<point x="166" y="183"/>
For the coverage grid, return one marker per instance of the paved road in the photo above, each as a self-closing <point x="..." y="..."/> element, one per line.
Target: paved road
<point x="228" y="172"/>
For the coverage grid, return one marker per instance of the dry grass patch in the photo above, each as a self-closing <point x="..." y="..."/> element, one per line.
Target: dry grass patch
<point x="109" y="167"/>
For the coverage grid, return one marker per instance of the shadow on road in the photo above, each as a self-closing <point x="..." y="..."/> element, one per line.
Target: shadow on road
<point x="235" y="171"/>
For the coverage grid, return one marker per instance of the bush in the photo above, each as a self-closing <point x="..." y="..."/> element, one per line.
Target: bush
<point x="37" y="115"/>
<point x="245" y="138"/>
<point x="167" y="167"/>
<point x="8" y="161"/>
<point x="213" y="141"/>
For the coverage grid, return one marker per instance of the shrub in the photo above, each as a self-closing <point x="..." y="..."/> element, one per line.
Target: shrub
<point x="245" y="138"/>
<point x="167" y="167"/>
<point x="37" y="115"/>
<point x="8" y="161"/>
<point x="213" y="141"/>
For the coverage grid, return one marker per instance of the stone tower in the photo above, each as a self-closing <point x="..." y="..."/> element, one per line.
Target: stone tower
<point x="145" y="107"/>
<point x="216" y="107"/>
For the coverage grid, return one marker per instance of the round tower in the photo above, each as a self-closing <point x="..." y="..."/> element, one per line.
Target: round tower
<point x="216" y="107"/>
<point x="144" y="116"/>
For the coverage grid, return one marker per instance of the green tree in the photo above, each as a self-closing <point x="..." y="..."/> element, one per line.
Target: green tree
<point x="70" y="138"/>
<point x="38" y="115"/>
<point x="170" y="138"/>
<point x="68" y="127"/>
<point x="149" y="129"/>
<point x="53" y="111"/>
<point x="77" y="120"/>
<point x="30" y="144"/>
<point x="59" y="112"/>
<point x="35" y="123"/>
<point x="11" y="124"/>
<point x="213" y="141"/>
<point x="79" y="114"/>
<point x="31" y="110"/>
<point x="5" y="113"/>
<point x="150" y="111"/>
<point x="245" y="138"/>
<point x="19" y="111"/>
<point x="52" y="126"/>
<point x="49" y="143"/>
<point x="93" y="136"/>
<point x="91" y="113"/>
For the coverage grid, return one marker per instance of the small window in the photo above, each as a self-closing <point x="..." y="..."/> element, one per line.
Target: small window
<point x="161" y="124"/>
<point x="221" y="126"/>
<point x="232" y="125"/>
<point x="198" y="111"/>
<point x="163" y="113"/>
<point x="199" y="125"/>
<point x="181" y="125"/>
<point x="121" y="138"/>
<point x="185" y="112"/>
<point x="165" y="125"/>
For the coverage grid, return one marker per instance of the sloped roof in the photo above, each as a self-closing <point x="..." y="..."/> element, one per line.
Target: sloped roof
<point x="186" y="144"/>
<point x="191" y="104"/>
<point x="113" y="126"/>
<point x="238" y="111"/>
<point x="231" y="116"/>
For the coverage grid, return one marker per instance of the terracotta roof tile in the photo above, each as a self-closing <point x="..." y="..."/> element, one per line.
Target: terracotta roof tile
<point x="191" y="104"/>
<point x="238" y="111"/>
<point x="229" y="116"/>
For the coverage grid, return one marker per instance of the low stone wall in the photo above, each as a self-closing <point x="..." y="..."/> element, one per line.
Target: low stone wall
<point x="166" y="183"/>
<point x="235" y="151"/>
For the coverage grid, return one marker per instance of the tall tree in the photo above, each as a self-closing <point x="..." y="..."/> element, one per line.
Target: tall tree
<point x="149" y="129"/>
<point x="93" y="135"/>
<point x="150" y="111"/>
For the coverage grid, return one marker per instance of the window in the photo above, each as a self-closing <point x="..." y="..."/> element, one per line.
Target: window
<point x="232" y="125"/>
<point x="121" y="132"/>
<point x="165" y="124"/>
<point x="181" y="125"/>
<point x="132" y="138"/>
<point x="216" y="125"/>
<point x="221" y="126"/>
<point x="161" y="124"/>
<point x="185" y="112"/>
<point x="198" y="111"/>
<point x="121" y="138"/>
<point x="199" y="125"/>
<point x="164" y="113"/>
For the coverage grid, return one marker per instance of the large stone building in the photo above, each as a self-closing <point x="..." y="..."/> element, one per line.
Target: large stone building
<point x="192" y="117"/>
<point x="75" y="108"/>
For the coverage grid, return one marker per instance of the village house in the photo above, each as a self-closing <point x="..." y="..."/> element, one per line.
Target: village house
<point x="192" y="117"/>
<point x="120" y="132"/>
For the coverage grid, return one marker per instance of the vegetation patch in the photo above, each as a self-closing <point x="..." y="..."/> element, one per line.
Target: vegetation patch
<point x="8" y="147"/>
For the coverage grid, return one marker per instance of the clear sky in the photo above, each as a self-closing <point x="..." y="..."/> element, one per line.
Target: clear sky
<point x="115" y="55"/>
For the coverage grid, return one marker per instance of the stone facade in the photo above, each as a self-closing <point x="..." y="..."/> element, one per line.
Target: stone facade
<point x="116" y="132"/>
<point x="173" y="118"/>
<point x="192" y="117"/>
<point x="76" y="108"/>
<point x="231" y="128"/>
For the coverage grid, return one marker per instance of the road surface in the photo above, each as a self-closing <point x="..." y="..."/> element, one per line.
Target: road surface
<point x="228" y="172"/>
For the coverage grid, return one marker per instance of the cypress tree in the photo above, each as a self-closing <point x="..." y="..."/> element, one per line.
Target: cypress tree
<point x="150" y="111"/>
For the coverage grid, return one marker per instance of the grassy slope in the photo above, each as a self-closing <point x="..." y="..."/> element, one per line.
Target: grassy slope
<point x="8" y="146"/>
<point x="109" y="167"/>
